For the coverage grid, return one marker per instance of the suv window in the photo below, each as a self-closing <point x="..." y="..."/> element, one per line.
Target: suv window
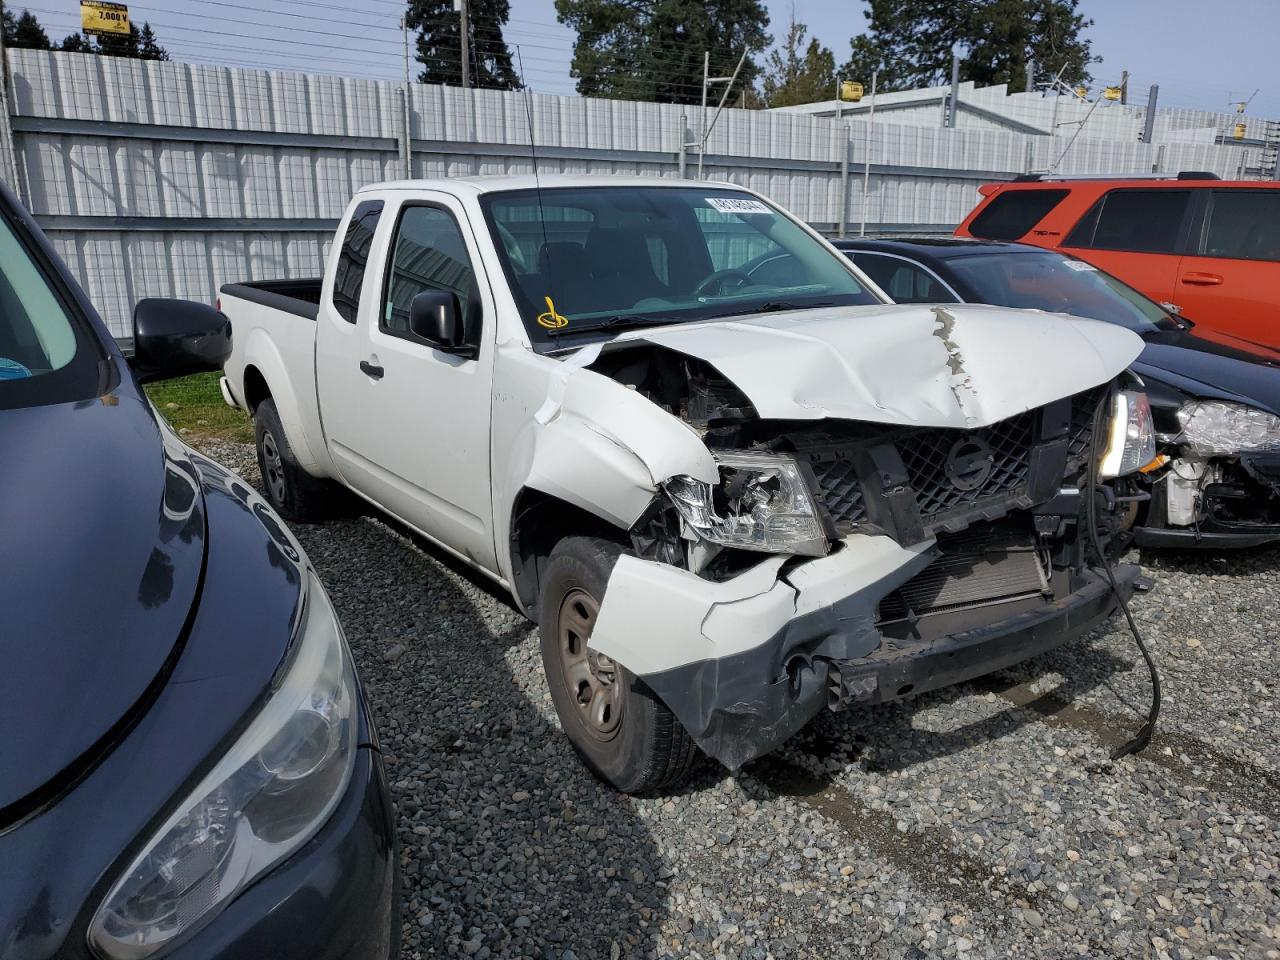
<point x="1011" y="214"/>
<point x="348" y="279"/>
<point x="1139" y="221"/>
<point x="1244" y="225"/>
<point x="904" y="281"/>
<point x="428" y="254"/>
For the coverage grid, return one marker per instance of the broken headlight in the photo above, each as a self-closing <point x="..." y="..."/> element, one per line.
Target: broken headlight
<point x="1131" y="438"/>
<point x="1214" y="428"/>
<point x="761" y="503"/>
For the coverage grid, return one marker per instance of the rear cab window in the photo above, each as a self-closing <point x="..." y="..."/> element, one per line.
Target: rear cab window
<point x="348" y="278"/>
<point x="1134" y="221"/>
<point x="1011" y="213"/>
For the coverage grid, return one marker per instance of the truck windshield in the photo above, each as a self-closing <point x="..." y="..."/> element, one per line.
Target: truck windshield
<point x="45" y="357"/>
<point x="586" y="258"/>
<point x="1051" y="281"/>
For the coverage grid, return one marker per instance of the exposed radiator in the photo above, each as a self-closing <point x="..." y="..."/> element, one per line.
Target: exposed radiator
<point x="992" y="563"/>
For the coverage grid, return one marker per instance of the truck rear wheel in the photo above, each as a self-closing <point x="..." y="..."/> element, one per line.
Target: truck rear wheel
<point x="295" y="494"/>
<point x="621" y="730"/>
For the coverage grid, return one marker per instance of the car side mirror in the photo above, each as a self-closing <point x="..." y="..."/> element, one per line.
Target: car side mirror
<point x="174" y="338"/>
<point x="435" y="317"/>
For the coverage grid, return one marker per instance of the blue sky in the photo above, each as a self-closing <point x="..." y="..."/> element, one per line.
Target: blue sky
<point x="1202" y="54"/>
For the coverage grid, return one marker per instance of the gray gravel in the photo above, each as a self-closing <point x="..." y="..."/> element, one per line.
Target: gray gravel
<point x="981" y="821"/>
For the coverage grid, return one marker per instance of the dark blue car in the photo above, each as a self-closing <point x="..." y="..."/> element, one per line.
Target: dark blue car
<point x="1215" y="398"/>
<point x="187" y="764"/>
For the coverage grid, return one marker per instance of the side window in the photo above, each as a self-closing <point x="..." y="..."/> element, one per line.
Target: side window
<point x="1244" y="225"/>
<point x="349" y="278"/>
<point x="1140" y="221"/>
<point x="428" y="254"/>
<point x="903" y="281"/>
<point x="1012" y="213"/>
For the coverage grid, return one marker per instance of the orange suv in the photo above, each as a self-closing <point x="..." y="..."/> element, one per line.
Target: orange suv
<point x="1205" y="247"/>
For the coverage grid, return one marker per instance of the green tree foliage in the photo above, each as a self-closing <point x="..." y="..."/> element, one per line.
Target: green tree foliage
<point x="910" y="41"/>
<point x="440" y="43"/>
<point x="23" y="30"/>
<point x="798" y="73"/>
<point x="653" y="49"/>
<point x="139" y="44"/>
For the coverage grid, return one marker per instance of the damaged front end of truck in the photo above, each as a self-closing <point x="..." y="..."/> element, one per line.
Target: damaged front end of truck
<point x="895" y="501"/>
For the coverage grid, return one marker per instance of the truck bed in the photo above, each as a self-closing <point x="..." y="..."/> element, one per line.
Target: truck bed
<point x="299" y="297"/>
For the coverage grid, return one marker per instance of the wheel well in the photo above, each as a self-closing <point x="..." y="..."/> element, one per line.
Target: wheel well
<point x="255" y="388"/>
<point x="538" y="522"/>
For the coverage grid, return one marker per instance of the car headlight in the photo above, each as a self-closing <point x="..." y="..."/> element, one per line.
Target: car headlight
<point x="1215" y="428"/>
<point x="268" y="795"/>
<point x="761" y="503"/>
<point x="1131" y="438"/>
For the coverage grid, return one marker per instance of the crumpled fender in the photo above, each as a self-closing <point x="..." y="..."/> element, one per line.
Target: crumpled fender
<point x="718" y="654"/>
<point x="606" y="448"/>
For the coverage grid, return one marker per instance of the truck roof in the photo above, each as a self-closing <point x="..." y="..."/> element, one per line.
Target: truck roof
<point x="493" y="184"/>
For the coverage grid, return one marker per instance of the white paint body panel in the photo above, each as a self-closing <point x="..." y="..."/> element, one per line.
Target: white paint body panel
<point x="906" y="365"/>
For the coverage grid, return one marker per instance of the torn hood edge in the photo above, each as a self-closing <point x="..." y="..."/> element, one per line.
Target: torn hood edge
<point x="963" y="366"/>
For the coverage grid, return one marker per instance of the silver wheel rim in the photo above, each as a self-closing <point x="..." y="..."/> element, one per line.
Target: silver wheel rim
<point x="591" y="678"/>
<point x="272" y="467"/>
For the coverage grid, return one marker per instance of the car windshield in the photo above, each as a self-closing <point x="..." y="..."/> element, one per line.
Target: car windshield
<point x="1060" y="284"/>
<point x="590" y="258"/>
<point x="45" y="357"/>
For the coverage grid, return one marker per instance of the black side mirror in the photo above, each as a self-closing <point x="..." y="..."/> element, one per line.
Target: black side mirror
<point x="435" y="317"/>
<point x="172" y="338"/>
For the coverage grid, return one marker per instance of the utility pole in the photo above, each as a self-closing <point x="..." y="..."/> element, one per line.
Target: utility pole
<point x="866" y="158"/>
<point x="1031" y="75"/>
<point x="1124" y="87"/>
<point x="1149" y="126"/>
<point x="464" y="31"/>
<point x="707" y="80"/>
<point x="408" y="104"/>
<point x="954" y="102"/>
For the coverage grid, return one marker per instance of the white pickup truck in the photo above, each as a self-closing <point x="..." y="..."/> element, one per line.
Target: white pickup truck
<point x="733" y="485"/>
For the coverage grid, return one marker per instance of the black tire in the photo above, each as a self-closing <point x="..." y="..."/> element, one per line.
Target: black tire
<point x="638" y="747"/>
<point x="295" y="494"/>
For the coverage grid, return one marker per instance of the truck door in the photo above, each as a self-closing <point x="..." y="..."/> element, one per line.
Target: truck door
<point x="408" y="424"/>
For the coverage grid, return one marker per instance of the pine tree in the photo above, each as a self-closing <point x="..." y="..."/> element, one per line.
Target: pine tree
<point x="23" y="30"/>
<point x="148" y="47"/>
<point x="440" y="43"/>
<point x="910" y="42"/>
<point x="793" y="77"/>
<point x="653" y="49"/>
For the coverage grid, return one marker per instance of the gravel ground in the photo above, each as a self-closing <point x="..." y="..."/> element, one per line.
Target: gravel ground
<point x="981" y="821"/>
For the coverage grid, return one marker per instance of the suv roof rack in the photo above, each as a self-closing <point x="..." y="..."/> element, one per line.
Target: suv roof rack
<point x="1183" y="175"/>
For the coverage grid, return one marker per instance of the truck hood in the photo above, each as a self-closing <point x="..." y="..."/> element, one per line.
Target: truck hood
<point x="102" y="552"/>
<point x="963" y="366"/>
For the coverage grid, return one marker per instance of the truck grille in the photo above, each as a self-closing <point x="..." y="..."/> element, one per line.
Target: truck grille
<point x="953" y="473"/>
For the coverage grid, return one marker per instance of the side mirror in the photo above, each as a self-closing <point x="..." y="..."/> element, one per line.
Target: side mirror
<point x="172" y="338"/>
<point x="435" y="317"/>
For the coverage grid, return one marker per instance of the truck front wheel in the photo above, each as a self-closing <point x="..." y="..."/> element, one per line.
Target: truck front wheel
<point x="295" y="494"/>
<point x="622" y="731"/>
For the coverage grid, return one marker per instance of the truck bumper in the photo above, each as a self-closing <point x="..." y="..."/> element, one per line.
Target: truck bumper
<point x="745" y="663"/>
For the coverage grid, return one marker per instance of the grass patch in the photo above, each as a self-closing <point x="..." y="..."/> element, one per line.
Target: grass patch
<point x="194" y="404"/>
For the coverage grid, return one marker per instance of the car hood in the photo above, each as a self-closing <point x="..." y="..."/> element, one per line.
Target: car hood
<point x="962" y="366"/>
<point x="102" y="553"/>
<point x="1220" y="369"/>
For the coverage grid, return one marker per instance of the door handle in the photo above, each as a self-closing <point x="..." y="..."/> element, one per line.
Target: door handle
<point x="1197" y="279"/>
<point x="371" y="369"/>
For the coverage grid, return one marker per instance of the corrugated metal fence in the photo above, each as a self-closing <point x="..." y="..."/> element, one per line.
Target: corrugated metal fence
<point x="169" y="179"/>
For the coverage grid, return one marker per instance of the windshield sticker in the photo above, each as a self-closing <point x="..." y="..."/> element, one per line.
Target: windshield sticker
<point x="1079" y="265"/>
<point x="736" y="205"/>
<point x="552" y="320"/>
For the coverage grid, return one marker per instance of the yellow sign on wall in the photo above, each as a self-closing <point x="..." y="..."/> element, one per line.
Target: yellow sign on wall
<point x="850" y="90"/>
<point x="99" y="16"/>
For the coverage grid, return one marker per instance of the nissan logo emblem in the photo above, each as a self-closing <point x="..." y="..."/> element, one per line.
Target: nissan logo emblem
<point x="969" y="463"/>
